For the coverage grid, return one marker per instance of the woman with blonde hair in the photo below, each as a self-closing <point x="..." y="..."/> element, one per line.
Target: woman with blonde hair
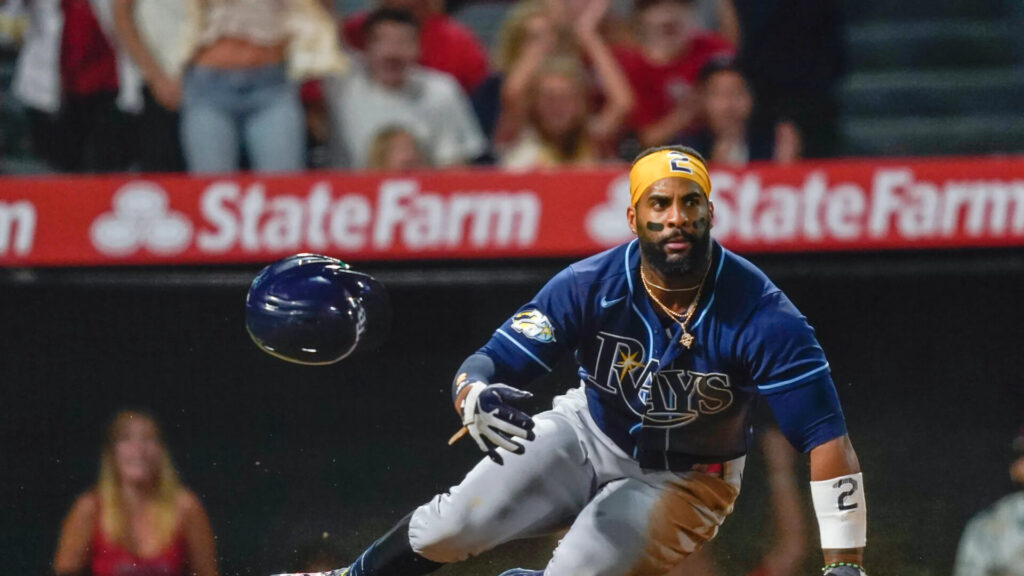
<point x="138" y="519"/>
<point x="529" y="34"/>
<point x="549" y="75"/>
<point x="534" y="32"/>
<point x="557" y="116"/>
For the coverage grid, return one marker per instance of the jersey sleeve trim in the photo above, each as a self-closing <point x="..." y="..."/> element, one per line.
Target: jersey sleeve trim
<point x="794" y="380"/>
<point x="524" y="349"/>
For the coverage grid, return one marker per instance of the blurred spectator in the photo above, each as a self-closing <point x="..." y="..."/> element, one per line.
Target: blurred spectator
<point x="444" y="44"/>
<point x="138" y="519"/>
<point x="993" y="542"/>
<point x="664" y="68"/>
<point x="529" y="34"/>
<point x="546" y="96"/>
<point x="76" y="88"/>
<point x="388" y="89"/>
<point x="556" y="130"/>
<point x="246" y="57"/>
<point x="13" y="23"/>
<point x="395" y="149"/>
<point x="794" y="55"/>
<point x="727" y="137"/>
<point x="152" y="31"/>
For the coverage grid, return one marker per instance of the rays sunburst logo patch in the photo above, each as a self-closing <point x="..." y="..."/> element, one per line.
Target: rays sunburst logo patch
<point x="534" y="325"/>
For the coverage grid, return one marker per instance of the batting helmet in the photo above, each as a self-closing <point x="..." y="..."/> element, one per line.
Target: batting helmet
<point x="312" y="309"/>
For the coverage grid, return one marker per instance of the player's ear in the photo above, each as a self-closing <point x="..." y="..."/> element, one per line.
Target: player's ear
<point x="631" y="218"/>
<point x="711" y="211"/>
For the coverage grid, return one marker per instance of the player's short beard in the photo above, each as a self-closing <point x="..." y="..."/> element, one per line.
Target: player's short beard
<point x="695" y="260"/>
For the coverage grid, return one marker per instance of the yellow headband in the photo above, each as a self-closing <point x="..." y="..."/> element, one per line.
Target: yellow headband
<point x="666" y="164"/>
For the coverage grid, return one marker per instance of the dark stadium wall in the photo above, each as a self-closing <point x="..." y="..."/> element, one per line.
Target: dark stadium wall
<point x="925" y="354"/>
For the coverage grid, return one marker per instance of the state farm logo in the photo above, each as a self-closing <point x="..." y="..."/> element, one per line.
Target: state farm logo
<point x="141" y="219"/>
<point x="606" y="223"/>
<point x="888" y="203"/>
<point x="401" y="214"/>
<point x="17" y="227"/>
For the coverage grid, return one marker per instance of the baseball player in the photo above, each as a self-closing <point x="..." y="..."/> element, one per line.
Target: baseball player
<point x="676" y="338"/>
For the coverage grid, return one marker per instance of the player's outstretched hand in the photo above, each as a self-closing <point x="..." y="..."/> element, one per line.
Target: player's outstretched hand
<point x="493" y="422"/>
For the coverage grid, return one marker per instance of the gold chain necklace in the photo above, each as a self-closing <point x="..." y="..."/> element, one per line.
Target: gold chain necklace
<point x="666" y="289"/>
<point x="686" y="339"/>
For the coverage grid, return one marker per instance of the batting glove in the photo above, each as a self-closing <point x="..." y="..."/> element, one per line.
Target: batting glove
<point x="493" y="422"/>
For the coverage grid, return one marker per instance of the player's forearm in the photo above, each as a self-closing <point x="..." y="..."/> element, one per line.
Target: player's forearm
<point x="838" y="492"/>
<point x="833" y="459"/>
<point x="477" y="368"/>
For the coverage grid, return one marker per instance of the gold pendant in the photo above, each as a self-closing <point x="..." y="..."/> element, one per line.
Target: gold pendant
<point x="686" y="339"/>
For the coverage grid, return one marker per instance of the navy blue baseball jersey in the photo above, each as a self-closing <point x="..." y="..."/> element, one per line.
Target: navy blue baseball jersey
<point x="672" y="407"/>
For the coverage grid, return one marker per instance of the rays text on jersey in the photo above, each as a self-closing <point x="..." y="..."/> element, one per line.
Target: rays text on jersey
<point x="671" y="398"/>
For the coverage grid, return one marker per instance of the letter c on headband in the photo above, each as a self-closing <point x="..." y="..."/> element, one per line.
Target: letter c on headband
<point x="666" y="164"/>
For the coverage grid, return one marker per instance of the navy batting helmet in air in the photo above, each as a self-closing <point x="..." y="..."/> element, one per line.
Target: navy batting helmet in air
<point x="312" y="309"/>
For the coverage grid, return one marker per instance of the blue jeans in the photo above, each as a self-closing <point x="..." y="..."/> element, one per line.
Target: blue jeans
<point x="258" y="106"/>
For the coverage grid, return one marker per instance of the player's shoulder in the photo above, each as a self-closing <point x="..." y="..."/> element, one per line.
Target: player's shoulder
<point x="744" y="295"/>
<point x="742" y="279"/>
<point x="612" y="265"/>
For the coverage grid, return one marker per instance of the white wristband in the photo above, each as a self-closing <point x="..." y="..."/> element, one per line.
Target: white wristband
<point x="842" y="512"/>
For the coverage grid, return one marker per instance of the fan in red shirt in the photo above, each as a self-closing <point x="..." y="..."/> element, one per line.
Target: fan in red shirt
<point x="87" y="62"/>
<point x="88" y="132"/>
<point x="663" y="67"/>
<point x="445" y="44"/>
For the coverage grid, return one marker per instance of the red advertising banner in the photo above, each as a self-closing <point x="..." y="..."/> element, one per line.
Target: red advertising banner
<point x="833" y="205"/>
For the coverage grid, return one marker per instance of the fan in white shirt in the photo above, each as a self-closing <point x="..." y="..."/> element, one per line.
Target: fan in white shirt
<point x="386" y="88"/>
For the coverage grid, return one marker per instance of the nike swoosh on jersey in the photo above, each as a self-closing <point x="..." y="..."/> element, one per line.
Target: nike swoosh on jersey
<point x="606" y="303"/>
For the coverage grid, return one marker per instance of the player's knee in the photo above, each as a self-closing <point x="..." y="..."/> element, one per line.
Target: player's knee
<point x="448" y="537"/>
<point x="443" y="548"/>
